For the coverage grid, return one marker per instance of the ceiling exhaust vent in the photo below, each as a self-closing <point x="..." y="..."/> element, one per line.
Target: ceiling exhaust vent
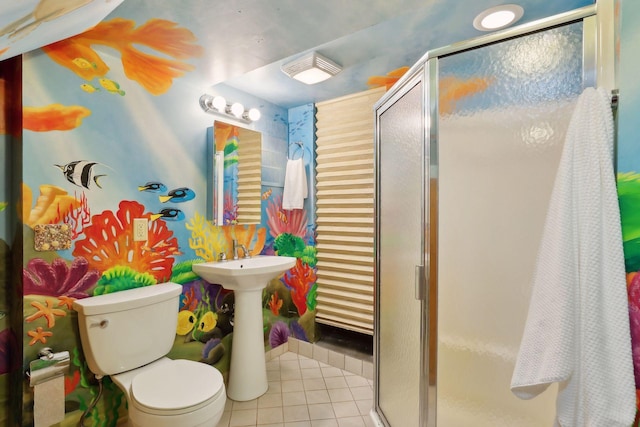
<point x="311" y="68"/>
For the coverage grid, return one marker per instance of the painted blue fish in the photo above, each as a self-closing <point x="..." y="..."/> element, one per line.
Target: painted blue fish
<point x="80" y="173"/>
<point x="169" y="214"/>
<point x="179" y="195"/>
<point x="153" y="187"/>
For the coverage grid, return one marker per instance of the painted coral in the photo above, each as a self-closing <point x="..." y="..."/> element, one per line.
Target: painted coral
<point x="120" y="278"/>
<point x="300" y="280"/>
<point x="207" y="240"/>
<point x="58" y="278"/>
<point x="287" y="244"/>
<point x="155" y="73"/>
<point x="76" y="218"/>
<point x="52" y="204"/>
<point x="250" y="236"/>
<point x="286" y="221"/>
<point x="275" y="304"/>
<point x="109" y="243"/>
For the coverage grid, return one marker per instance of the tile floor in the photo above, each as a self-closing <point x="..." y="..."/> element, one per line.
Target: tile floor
<point x="304" y="392"/>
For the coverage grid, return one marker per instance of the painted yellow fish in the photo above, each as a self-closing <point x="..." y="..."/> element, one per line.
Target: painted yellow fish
<point x="89" y="88"/>
<point x="83" y="63"/>
<point x="111" y="86"/>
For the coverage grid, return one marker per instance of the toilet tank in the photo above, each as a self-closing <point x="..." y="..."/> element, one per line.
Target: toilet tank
<point x="128" y="329"/>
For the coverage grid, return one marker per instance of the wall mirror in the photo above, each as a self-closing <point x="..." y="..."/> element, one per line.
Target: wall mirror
<point x="235" y="159"/>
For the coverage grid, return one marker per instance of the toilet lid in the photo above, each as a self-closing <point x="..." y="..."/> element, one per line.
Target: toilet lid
<point x="177" y="385"/>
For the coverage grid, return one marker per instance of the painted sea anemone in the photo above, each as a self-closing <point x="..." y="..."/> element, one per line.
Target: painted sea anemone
<point x="279" y="334"/>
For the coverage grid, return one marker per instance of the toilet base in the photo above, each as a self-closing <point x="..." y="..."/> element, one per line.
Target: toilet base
<point x="208" y="416"/>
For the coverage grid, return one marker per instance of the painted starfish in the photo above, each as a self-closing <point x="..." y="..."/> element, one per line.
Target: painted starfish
<point x="39" y="335"/>
<point x="48" y="312"/>
<point x="66" y="301"/>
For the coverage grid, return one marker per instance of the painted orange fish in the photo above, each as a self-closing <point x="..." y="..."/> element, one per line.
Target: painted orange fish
<point x="388" y="80"/>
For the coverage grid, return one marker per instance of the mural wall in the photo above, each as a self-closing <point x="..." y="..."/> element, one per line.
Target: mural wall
<point x="629" y="167"/>
<point x="113" y="131"/>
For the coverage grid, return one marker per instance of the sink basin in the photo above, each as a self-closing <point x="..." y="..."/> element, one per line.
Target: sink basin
<point x="247" y="278"/>
<point x="245" y="273"/>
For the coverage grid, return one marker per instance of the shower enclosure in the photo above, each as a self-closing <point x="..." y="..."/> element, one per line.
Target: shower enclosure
<point x="467" y="145"/>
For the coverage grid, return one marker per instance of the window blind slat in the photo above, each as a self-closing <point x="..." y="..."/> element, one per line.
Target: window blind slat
<point x="344" y="209"/>
<point x="249" y="178"/>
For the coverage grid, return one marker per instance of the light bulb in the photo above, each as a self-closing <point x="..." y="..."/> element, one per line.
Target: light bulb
<point x="219" y="103"/>
<point x="254" y="114"/>
<point x="237" y="109"/>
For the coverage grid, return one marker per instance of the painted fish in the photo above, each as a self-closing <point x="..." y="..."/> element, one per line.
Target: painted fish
<point x="83" y="63"/>
<point x="80" y="173"/>
<point x="283" y="217"/>
<point x="169" y="214"/>
<point x="178" y="195"/>
<point x="111" y="86"/>
<point x="267" y="194"/>
<point x="89" y="88"/>
<point x="153" y="187"/>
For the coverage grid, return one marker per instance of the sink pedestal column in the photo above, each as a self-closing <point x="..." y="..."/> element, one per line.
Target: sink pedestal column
<point x="248" y="370"/>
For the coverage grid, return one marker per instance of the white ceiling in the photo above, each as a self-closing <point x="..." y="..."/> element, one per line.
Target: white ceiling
<point x="246" y="41"/>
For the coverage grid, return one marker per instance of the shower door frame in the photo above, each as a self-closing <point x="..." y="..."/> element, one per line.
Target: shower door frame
<point x="599" y="69"/>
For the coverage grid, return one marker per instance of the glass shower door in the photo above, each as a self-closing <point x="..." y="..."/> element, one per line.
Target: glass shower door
<point x="503" y="113"/>
<point x="399" y="347"/>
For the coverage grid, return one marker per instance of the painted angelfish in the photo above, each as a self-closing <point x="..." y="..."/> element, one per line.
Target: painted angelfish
<point x="80" y="173"/>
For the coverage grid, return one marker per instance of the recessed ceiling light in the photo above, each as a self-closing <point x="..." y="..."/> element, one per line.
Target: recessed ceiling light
<point x="498" y="17"/>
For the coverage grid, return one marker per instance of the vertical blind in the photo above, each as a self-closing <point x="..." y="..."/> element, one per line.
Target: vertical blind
<point x="344" y="209"/>
<point x="249" y="177"/>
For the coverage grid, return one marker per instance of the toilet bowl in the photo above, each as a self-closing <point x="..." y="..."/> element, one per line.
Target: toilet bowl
<point x="170" y="393"/>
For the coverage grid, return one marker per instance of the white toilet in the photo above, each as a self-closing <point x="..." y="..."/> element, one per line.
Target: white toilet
<point x="127" y="335"/>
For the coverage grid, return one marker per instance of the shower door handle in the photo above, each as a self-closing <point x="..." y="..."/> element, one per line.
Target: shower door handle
<point x="419" y="283"/>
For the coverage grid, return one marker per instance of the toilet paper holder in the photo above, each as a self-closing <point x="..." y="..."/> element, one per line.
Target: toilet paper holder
<point x="49" y="365"/>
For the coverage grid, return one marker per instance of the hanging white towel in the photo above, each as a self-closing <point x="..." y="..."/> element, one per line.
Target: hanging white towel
<point x="577" y="330"/>
<point x="295" y="185"/>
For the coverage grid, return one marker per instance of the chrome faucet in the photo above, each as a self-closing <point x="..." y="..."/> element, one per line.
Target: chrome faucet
<point x="245" y="252"/>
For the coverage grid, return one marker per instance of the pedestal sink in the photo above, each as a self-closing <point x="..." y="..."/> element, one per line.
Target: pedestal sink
<point x="247" y="277"/>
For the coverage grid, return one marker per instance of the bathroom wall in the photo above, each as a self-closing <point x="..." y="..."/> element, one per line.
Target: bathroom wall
<point x="143" y="124"/>
<point x="628" y="164"/>
<point x="110" y="128"/>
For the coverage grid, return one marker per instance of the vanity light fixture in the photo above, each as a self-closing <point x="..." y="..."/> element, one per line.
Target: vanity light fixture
<point x="498" y="17"/>
<point x="311" y="68"/>
<point x="218" y="105"/>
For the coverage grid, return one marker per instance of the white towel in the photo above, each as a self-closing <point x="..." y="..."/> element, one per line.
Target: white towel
<point x="295" y="185"/>
<point x="577" y="330"/>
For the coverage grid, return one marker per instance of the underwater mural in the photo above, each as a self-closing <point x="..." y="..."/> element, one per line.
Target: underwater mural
<point x="89" y="176"/>
<point x="110" y="135"/>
